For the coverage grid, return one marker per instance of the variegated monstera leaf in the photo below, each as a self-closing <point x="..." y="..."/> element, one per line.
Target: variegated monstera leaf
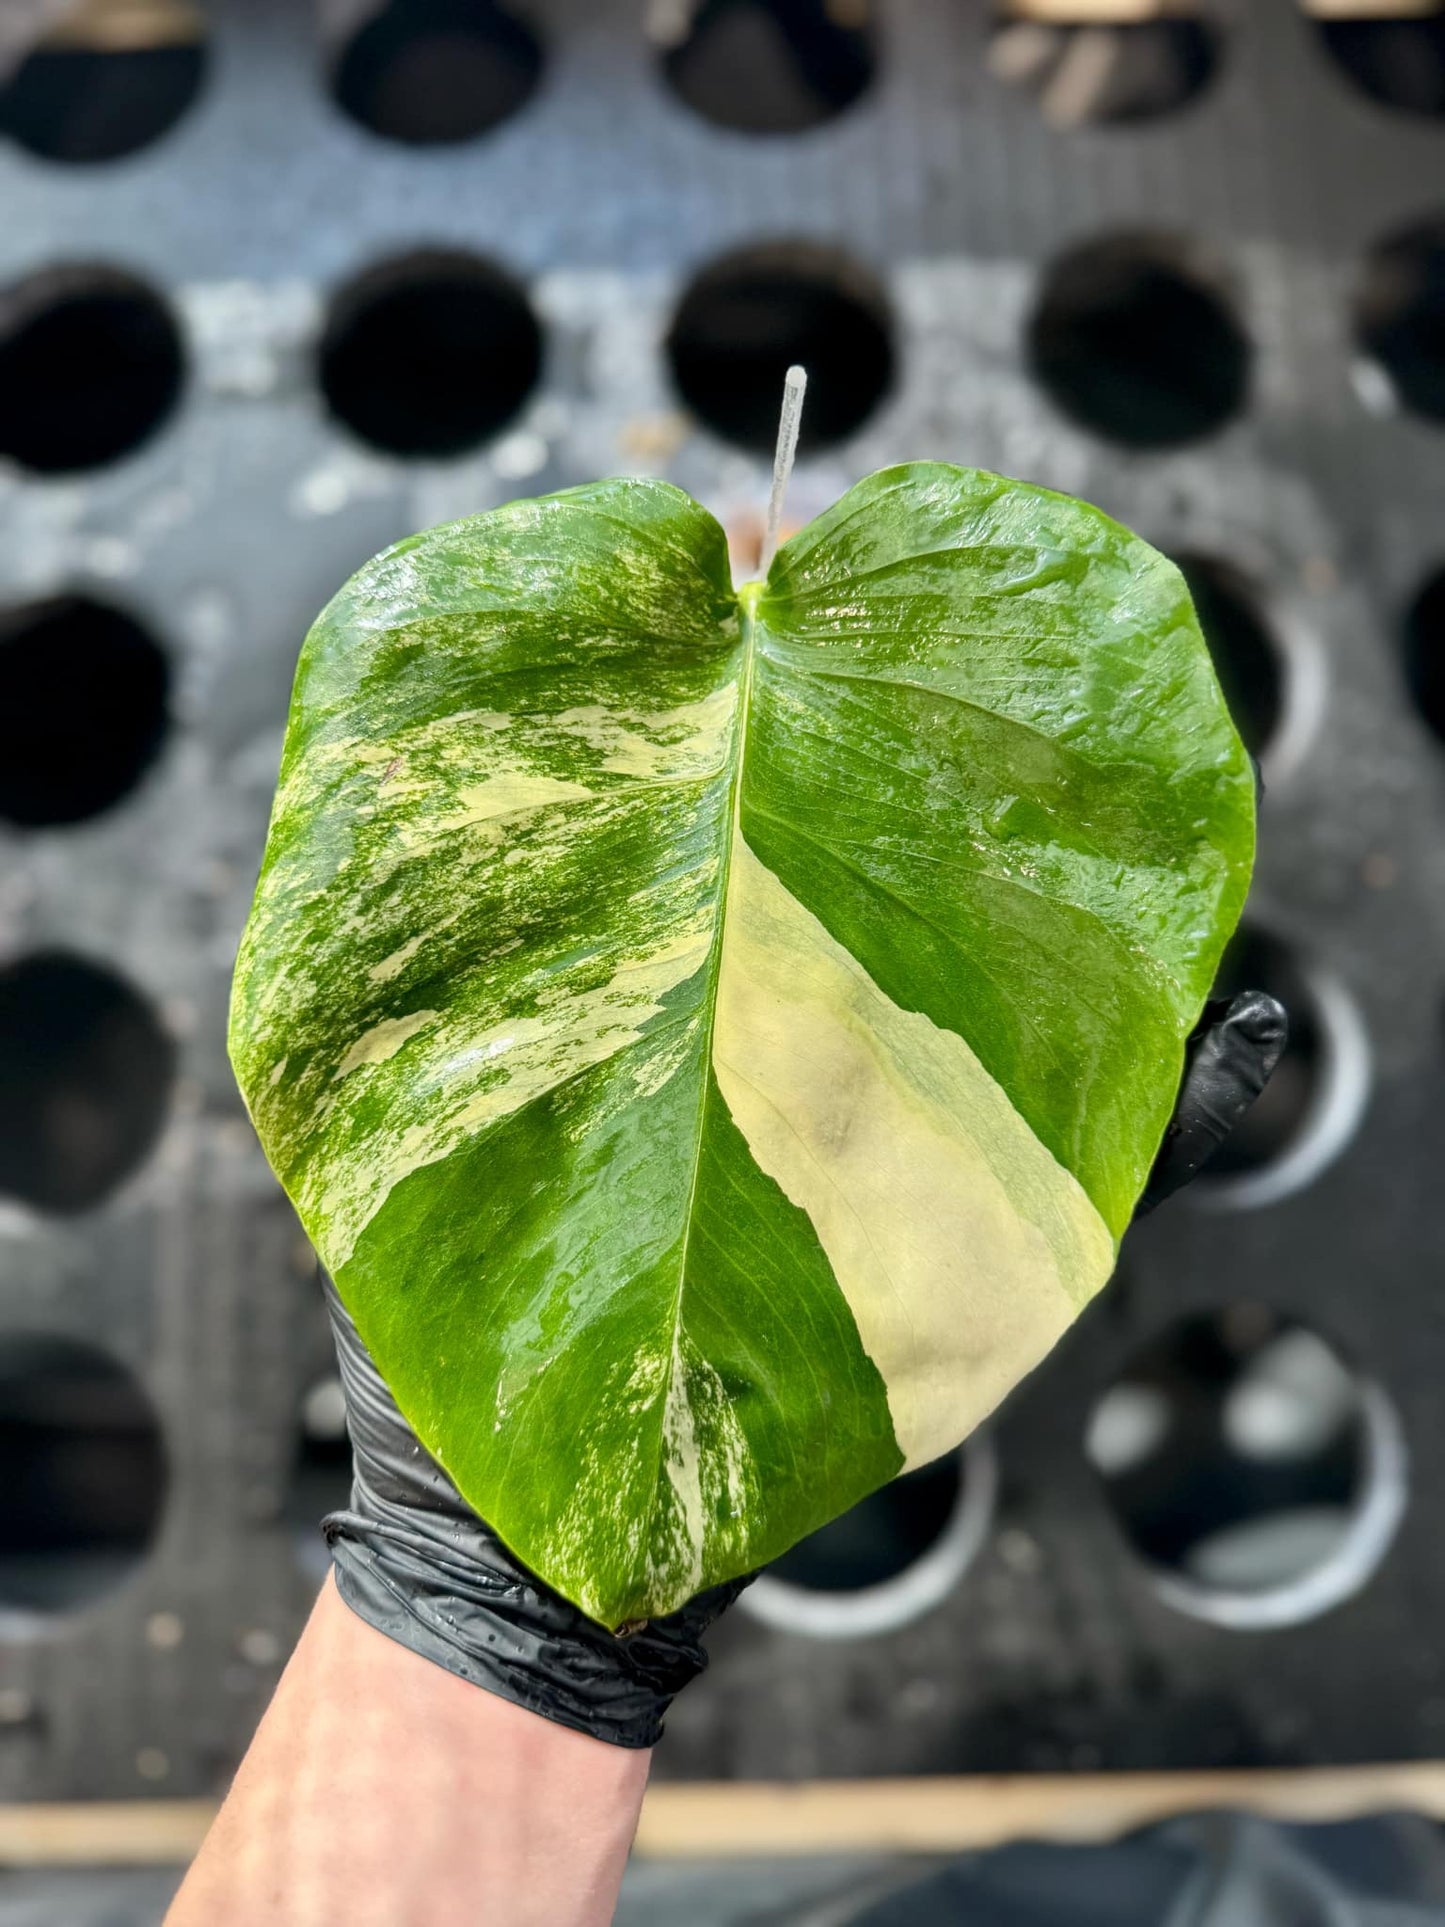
<point x="716" y="1038"/>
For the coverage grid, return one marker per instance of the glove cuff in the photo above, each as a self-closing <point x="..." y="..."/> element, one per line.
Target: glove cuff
<point x="512" y="1637"/>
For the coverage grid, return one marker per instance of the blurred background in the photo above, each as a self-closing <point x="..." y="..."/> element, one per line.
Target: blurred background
<point x="280" y="283"/>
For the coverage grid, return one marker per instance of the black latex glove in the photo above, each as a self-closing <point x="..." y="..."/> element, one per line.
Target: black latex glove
<point x="1228" y="1061"/>
<point x="416" y="1562"/>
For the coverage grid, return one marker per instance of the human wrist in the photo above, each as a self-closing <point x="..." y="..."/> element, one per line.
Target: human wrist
<point x="474" y="1612"/>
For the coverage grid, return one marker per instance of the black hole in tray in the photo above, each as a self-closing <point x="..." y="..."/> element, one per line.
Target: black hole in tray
<point x="1425" y="651"/>
<point x="429" y="72"/>
<point x="430" y="354"/>
<point x="1400" y="63"/>
<point x="83" y="714"/>
<point x="85" y="1074"/>
<point x="1246" y="658"/>
<point x="748" y="317"/>
<point x="773" y="66"/>
<point x="879" y="1537"/>
<point x="91" y="364"/>
<point x="1233" y="1450"/>
<point x="106" y="80"/>
<point x="1132" y="343"/>
<point x="83" y="1468"/>
<point x="1401" y="315"/>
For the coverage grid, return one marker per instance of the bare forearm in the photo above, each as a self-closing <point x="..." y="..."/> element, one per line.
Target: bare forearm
<point x="381" y="1789"/>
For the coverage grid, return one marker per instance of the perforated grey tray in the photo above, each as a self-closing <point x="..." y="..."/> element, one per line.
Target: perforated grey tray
<point x="233" y="524"/>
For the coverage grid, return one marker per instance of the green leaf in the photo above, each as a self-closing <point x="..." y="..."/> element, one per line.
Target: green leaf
<point x="716" y="1039"/>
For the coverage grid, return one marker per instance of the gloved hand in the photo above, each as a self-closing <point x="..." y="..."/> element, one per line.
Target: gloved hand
<point x="416" y="1562"/>
<point x="1228" y="1061"/>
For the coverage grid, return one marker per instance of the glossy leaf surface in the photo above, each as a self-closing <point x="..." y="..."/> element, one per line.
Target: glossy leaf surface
<point x="716" y="1039"/>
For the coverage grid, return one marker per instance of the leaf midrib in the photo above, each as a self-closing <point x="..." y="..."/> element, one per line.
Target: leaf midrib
<point x="746" y="601"/>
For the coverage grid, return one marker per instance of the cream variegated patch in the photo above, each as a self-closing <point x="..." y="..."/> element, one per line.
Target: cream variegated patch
<point x="680" y="1451"/>
<point x="464" y="1075"/>
<point x="661" y="745"/>
<point x="384" y="1040"/>
<point x="964" y="1249"/>
<point x="392" y="966"/>
<point x="509" y="793"/>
